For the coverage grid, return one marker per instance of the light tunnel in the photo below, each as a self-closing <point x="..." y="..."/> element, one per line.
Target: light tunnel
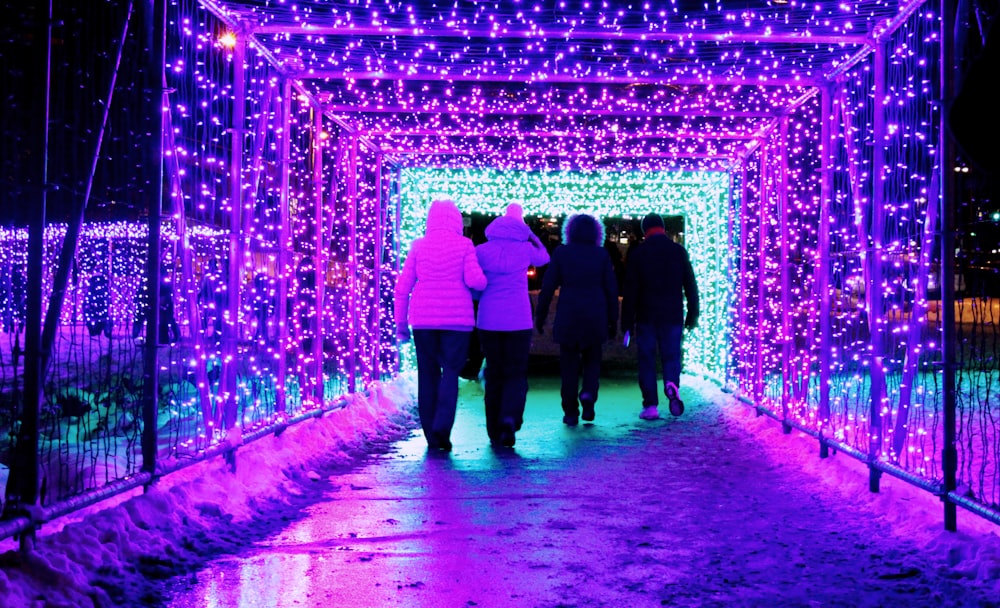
<point x="802" y="146"/>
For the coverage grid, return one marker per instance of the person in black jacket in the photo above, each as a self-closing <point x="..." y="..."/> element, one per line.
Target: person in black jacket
<point x="658" y="278"/>
<point x="586" y="314"/>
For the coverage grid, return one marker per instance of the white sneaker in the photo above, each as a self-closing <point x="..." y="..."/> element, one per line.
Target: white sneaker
<point x="649" y="412"/>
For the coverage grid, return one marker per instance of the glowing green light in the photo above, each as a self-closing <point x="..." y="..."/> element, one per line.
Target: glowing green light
<point x="701" y="197"/>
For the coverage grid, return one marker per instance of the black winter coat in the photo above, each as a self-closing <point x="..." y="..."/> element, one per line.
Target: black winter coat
<point x="587" y="311"/>
<point x="658" y="277"/>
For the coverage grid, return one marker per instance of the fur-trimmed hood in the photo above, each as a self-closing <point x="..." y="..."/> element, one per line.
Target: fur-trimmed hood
<point x="583" y="229"/>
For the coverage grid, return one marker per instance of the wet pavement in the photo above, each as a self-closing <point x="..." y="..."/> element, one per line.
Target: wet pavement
<point x="623" y="512"/>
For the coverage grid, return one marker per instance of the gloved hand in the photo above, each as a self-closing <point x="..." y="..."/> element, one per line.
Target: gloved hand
<point x="690" y="322"/>
<point x="402" y="334"/>
<point x="540" y="328"/>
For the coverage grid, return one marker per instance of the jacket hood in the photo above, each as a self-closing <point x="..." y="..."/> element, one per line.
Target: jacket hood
<point x="508" y="227"/>
<point x="444" y="215"/>
<point x="583" y="229"/>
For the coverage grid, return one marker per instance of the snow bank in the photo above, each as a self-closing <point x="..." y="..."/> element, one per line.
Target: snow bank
<point x="106" y="556"/>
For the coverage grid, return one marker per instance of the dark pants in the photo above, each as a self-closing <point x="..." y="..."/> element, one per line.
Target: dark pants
<point x="506" y="376"/>
<point x="440" y="354"/>
<point x="575" y="360"/>
<point x="666" y="338"/>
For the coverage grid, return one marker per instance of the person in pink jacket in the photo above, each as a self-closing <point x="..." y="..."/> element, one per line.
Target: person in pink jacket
<point x="433" y="297"/>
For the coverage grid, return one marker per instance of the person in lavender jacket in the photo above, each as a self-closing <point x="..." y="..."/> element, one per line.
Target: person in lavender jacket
<point x="433" y="297"/>
<point x="505" y="320"/>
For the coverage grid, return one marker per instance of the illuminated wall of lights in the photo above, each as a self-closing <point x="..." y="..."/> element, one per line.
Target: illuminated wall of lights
<point x="280" y="255"/>
<point x="874" y="383"/>
<point x="701" y="197"/>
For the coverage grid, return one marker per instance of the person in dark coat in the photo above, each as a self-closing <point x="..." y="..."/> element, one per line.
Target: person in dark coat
<point x="587" y="312"/>
<point x="658" y="278"/>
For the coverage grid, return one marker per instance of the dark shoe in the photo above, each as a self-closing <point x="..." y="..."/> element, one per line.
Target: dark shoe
<point x="570" y="420"/>
<point x="675" y="404"/>
<point x="588" y="411"/>
<point x="443" y="443"/>
<point x="507" y="433"/>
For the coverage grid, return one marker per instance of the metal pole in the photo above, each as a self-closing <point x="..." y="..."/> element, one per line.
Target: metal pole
<point x="379" y="255"/>
<point x="75" y="225"/>
<point x="761" y="274"/>
<point x="949" y="456"/>
<point x="824" y="260"/>
<point x="228" y="393"/>
<point x="744" y="337"/>
<point x="319" y="272"/>
<point x="27" y="437"/>
<point x="284" y="245"/>
<point x="785" y="270"/>
<point x="154" y="195"/>
<point x="397" y="224"/>
<point x="873" y="290"/>
<point x="352" y="194"/>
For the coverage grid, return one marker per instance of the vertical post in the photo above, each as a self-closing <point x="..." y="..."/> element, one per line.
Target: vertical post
<point x="823" y="260"/>
<point x="319" y="271"/>
<point x="27" y="437"/>
<point x="379" y="255"/>
<point x="785" y="271"/>
<point x="284" y="231"/>
<point x="75" y="226"/>
<point x="876" y="313"/>
<point x="154" y="196"/>
<point x="744" y="337"/>
<point x="397" y="203"/>
<point x="761" y="275"/>
<point x="229" y="392"/>
<point x="949" y="456"/>
<point x="352" y="265"/>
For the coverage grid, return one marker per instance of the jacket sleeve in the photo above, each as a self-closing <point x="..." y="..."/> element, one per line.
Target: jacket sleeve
<point x="550" y="281"/>
<point x="473" y="272"/>
<point x="404" y="285"/>
<point x="690" y="291"/>
<point x="537" y="255"/>
<point x="630" y="293"/>
<point x="611" y="293"/>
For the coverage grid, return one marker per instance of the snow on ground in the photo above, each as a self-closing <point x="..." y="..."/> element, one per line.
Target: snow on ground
<point x="109" y="556"/>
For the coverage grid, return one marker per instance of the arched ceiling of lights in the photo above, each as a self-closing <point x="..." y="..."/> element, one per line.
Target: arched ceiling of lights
<point x="573" y="84"/>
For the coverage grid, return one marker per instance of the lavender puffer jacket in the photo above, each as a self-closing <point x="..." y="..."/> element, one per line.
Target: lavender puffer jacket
<point x="510" y="249"/>
<point x="433" y="289"/>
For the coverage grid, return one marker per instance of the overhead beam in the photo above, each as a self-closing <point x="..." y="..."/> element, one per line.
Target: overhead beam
<point x="682" y="80"/>
<point x="499" y="34"/>
<point x="463" y="152"/>
<point x="553" y="113"/>
<point x="611" y="135"/>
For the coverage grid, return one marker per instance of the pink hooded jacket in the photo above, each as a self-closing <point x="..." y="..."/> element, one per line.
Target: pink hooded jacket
<point x="433" y="289"/>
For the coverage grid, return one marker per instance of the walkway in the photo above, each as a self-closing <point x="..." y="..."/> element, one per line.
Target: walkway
<point x="677" y="512"/>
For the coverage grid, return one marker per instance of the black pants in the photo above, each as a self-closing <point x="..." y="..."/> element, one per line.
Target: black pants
<point x="506" y="378"/>
<point x="440" y="354"/>
<point x="576" y="360"/>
